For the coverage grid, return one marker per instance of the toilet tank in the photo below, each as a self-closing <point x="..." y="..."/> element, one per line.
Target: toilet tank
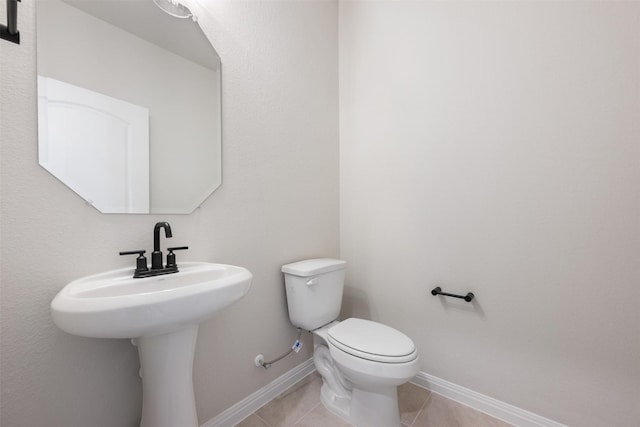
<point x="314" y="291"/>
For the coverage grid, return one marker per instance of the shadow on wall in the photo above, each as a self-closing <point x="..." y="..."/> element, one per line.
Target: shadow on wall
<point x="355" y="303"/>
<point x="455" y="304"/>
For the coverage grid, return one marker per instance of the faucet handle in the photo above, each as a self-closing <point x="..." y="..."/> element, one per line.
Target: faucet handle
<point x="141" y="252"/>
<point x="141" y="261"/>
<point x="171" y="257"/>
<point x="178" y="248"/>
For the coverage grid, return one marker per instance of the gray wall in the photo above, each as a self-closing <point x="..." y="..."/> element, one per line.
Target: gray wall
<point x="494" y="147"/>
<point x="278" y="203"/>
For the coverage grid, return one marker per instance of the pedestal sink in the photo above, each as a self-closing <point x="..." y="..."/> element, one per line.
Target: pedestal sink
<point x="161" y="314"/>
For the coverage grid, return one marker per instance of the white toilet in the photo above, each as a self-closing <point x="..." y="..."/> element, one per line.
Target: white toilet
<point x="361" y="362"/>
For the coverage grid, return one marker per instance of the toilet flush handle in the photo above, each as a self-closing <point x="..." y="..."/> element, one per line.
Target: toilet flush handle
<point x="313" y="281"/>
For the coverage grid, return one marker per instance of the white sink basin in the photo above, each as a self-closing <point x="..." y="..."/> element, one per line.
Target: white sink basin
<point x="115" y="305"/>
<point x="162" y="313"/>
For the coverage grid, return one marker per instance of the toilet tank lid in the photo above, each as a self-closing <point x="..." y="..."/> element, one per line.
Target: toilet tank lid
<point x="311" y="267"/>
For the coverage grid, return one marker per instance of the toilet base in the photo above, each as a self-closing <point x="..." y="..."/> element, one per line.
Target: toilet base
<point x="338" y="405"/>
<point x="377" y="408"/>
<point x="364" y="408"/>
<point x="336" y="392"/>
<point x="371" y="407"/>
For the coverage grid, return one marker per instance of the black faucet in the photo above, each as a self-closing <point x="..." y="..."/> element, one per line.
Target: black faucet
<point x="156" y="256"/>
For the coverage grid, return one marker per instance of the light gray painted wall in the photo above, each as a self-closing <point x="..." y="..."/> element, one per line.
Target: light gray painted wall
<point x="494" y="147"/>
<point x="278" y="203"/>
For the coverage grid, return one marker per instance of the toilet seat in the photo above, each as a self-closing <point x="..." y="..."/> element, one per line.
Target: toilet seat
<point x="372" y="341"/>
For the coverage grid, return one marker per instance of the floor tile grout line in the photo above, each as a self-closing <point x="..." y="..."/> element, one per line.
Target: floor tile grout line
<point x="306" y="413"/>
<point x="410" y="423"/>
<point x="424" y="405"/>
<point x="262" y="419"/>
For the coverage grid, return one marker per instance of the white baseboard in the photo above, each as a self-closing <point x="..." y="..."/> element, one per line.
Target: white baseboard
<point x="255" y="401"/>
<point x="490" y="406"/>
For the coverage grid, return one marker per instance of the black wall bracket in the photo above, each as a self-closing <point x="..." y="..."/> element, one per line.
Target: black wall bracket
<point x="10" y="31"/>
<point x="438" y="291"/>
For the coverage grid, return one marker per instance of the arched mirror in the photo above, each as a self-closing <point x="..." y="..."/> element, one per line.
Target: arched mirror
<point x="129" y="113"/>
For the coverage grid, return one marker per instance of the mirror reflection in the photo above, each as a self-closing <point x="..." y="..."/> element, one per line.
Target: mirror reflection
<point x="128" y="105"/>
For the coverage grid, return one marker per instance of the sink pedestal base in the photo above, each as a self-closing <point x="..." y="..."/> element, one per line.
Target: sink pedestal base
<point x="167" y="379"/>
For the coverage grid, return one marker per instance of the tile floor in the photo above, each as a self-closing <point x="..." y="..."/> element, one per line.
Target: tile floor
<point x="300" y="406"/>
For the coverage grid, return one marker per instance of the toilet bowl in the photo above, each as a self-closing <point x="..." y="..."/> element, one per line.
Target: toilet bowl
<point x="361" y="362"/>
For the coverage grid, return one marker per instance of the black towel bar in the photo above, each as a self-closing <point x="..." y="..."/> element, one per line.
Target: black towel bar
<point x="438" y="291"/>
